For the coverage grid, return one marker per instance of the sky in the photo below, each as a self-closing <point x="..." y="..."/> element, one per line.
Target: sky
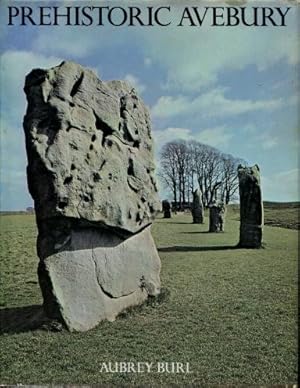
<point x="236" y="89"/>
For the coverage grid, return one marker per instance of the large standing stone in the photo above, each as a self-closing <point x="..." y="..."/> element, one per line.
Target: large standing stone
<point x="216" y="217"/>
<point x="251" y="207"/>
<point x="166" y="207"/>
<point x="91" y="175"/>
<point x="197" y="207"/>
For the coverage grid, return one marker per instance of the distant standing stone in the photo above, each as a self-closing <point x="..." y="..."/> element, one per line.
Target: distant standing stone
<point x="197" y="208"/>
<point x="251" y="207"/>
<point x="216" y="217"/>
<point x="166" y="206"/>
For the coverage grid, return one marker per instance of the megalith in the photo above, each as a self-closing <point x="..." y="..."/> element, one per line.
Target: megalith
<point x="166" y="207"/>
<point x="216" y="217"/>
<point x="197" y="207"/>
<point x="91" y="174"/>
<point x="251" y="207"/>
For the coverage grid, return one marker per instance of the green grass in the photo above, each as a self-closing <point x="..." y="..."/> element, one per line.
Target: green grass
<point x="282" y="214"/>
<point x="231" y="313"/>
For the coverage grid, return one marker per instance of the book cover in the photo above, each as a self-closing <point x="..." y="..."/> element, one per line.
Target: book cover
<point x="149" y="192"/>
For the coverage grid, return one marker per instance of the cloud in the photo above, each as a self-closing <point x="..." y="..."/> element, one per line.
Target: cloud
<point x="12" y="154"/>
<point x="194" y="57"/>
<point x="191" y="57"/>
<point x="214" y="103"/>
<point x="216" y="136"/>
<point x="13" y="184"/>
<point x="293" y="100"/>
<point x="71" y="42"/>
<point x="168" y="106"/>
<point x="147" y="61"/>
<point x="282" y="186"/>
<point x="249" y="129"/>
<point x="80" y="42"/>
<point x="267" y="140"/>
<point x="162" y="137"/>
<point x="15" y="65"/>
<point x="135" y="82"/>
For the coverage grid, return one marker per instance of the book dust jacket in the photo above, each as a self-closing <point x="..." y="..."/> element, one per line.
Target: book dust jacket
<point x="149" y="193"/>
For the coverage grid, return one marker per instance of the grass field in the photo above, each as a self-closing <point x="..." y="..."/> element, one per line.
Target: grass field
<point x="282" y="214"/>
<point x="231" y="313"/>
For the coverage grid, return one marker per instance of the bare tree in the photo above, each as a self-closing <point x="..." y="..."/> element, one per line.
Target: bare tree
<point x="208" y="169"/>
<point x="230" y="182"/>
<point x="175" y="165"/>
<point x="213" y="174"/>
<point x="188" y="165"/>
<point x="168" y="168"/>
<point x="198" y="152"/>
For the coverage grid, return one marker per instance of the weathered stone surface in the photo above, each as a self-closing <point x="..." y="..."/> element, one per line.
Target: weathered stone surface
<point x="251" y="207"/>
<point x="197" y="207"/>
<point x="96" y="275"/>
<point x="166" y="207"/>
<point x="91" y="175"/>
<point x="89" y="149"/>
<point x="217" y="217"/>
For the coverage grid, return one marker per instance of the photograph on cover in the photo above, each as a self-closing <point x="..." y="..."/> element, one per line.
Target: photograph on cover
<point x="149" y="192"/>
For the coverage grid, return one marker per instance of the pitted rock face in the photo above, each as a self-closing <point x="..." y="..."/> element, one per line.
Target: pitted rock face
<point x="89" y="149"/>
<point x="90" y="172"/>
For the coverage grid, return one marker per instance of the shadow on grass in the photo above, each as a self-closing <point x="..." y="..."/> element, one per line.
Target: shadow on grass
<point x="22" y="319"/>
<point x="16" y="320"/>
<point x="177" y="248"/>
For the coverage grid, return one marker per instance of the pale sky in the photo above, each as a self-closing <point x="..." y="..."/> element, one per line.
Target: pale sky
<point x="233" y="88"/>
